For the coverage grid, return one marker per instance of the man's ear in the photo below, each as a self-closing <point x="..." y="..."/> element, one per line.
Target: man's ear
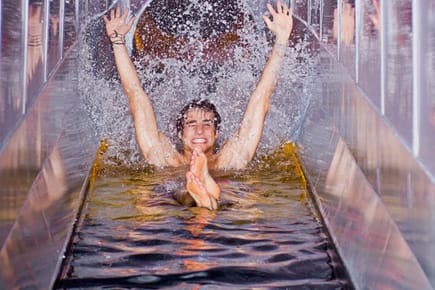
<point x="180" y="135"/>
<point x="216" y="134"/>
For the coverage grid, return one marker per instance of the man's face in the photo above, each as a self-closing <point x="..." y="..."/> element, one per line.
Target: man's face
<point x="199" y="131"/>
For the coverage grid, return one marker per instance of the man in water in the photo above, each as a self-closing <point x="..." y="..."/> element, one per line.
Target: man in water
<point x="198" y="126"/>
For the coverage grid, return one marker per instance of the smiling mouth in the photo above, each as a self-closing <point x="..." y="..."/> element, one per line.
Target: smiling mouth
<point x="199" y="141"/>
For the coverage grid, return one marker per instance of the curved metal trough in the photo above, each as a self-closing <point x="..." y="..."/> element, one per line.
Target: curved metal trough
<point x="368" y="159"/>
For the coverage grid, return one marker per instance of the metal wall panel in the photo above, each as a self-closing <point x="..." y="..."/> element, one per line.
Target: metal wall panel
<point x="328" y="21"/>
<point x="70" y="25"/>
<point x="36" y="58"/>
<point x="427" y="103"/>
<point x="345" y="19"/>
<point x="300" y="8"/>
<point x="47" y="146"/>
<point x="398" y="71"/>
<point x="376" y="200"/>
<point x="360" y="144"/>
<point x="43" y="174"/>
<point x="11" y="67"/>
<point x="315" y="9"/>
<point x="54" y="45"/>
<point x="369" y="50"/>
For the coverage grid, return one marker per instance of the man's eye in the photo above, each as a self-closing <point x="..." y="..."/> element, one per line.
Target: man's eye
<point x="208" y="125"/>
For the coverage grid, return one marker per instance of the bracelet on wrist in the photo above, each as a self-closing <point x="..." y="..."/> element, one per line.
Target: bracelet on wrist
<point x="117" y="38"/>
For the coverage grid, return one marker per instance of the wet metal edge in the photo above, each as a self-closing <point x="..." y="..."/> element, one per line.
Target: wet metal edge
<point x="376" y="200"/>
<point x="46" y="162"/>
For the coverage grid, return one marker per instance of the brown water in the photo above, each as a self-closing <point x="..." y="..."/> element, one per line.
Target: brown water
<point x="264" y="235"/>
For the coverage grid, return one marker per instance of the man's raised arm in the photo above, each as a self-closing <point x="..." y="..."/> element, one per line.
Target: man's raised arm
<point x="155" y="147"/>
<point x="240" y="149"/>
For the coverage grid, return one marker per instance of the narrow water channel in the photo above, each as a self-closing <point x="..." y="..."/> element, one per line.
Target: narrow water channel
<point x="266" y="233"/>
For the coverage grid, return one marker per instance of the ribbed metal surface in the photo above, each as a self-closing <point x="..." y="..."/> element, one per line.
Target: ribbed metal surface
<point x="367" y="140"/>
<point x="376" y="200"/>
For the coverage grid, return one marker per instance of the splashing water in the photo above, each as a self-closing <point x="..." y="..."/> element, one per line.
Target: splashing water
<point x="227" y="75"/>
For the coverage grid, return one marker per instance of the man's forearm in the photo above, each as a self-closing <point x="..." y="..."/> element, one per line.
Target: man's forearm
<point x="252" y="124"/>
<point x="126" y="69"/>
<point x="269" y="76"/>
<point x="140" y="103"/>
<point x="259" y="102"/>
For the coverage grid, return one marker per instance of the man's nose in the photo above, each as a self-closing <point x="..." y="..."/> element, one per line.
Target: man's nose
<point x="199" y="128"/>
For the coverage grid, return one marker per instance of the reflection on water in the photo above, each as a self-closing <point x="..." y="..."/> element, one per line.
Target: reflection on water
<point x="265" y="233"/>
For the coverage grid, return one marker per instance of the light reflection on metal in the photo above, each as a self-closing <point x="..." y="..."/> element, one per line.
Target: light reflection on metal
<point x="378" y="180"/>
<point x="418" y="76"/>
<point x="77" y="14"/>
<point x="409" y="193"/>
<point x="339" y="27"/>
<point x="384" y="53"/>
<point x="367" y="235"/>
<point x="1" y="28"/>
<point x="367" y="57"/>
<point x="321" y="15"/>
<point x="400" y="186"/>
<point x="46" y="38"/>
<point x="25" y="41"/>
<point x="376" y="200"/>
<point x="358" y="33"/>
<point x="43" y="171"/>
<point x="62" y="28"/>
<point x="399" y="86"/>
<point x="427" y="117"/>
<point x="309" y="11"/>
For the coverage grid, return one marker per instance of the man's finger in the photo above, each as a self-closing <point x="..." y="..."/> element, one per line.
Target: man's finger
<point x="284" y="7"/>
<point x="279" y="6"/>
<point x="267" y="21"/>
<point x="131" y="21"/>
<point x="124" y="15"/>
<point x="271" y="10"/>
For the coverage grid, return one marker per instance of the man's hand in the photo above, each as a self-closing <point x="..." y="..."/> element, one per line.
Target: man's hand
<point x="116" y="25"/>
<point x="282" y="22"/>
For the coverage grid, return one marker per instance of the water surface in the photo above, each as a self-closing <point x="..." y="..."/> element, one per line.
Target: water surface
<point x="265" y="234"/>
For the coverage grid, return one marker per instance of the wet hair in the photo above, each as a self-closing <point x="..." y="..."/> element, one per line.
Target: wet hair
<point x="202" y="104"/>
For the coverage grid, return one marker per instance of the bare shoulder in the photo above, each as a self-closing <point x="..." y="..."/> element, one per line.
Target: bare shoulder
<point x="164" y="153"/>
<point x="231" y="156"/>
